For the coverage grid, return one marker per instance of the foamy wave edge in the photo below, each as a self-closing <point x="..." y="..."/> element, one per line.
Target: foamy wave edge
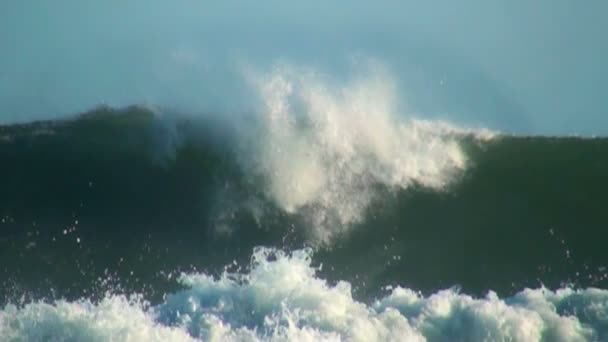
<point x="281" y="298"/>
<point x="323" y="145"/>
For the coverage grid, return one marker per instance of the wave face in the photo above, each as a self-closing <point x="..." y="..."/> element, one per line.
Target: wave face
<point x="111" y="207"/>
<point x="139" y="224"/>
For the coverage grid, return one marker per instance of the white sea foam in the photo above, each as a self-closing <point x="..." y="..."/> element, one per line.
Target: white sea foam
<point x="282" y="299"/>
<point x="325" y="144"/>
<point x="115" y="318"/>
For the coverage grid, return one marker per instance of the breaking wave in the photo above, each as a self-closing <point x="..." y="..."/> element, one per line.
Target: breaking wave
<point x="323" y="147"/>
<point x="426" y="231"/>
<point x="281" y="298"/>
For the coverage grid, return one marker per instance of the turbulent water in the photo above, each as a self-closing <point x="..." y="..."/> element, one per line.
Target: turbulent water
<point x="319" y="216"/>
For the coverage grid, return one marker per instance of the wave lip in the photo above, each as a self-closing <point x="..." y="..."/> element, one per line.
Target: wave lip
<point x="324" y="147"/>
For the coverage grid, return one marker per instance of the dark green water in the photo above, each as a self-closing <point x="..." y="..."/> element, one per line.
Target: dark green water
<point x="120" y="198"/>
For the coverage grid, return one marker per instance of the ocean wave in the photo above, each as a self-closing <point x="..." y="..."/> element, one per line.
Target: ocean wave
<point x="526" y="210"/>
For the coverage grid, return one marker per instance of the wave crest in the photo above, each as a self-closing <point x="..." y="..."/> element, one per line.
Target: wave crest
<point x="325" y="145"/>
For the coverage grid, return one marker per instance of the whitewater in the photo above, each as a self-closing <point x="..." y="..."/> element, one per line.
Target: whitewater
<point x="280" y="298"/>
<point x="317" y="158"/>
<point x="303" y="171"/>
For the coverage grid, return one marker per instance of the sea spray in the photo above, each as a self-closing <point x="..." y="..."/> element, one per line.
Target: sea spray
<point x="323" y="146"/>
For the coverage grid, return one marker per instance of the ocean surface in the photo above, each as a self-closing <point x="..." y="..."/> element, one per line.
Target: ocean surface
<point x="323" y="217"/>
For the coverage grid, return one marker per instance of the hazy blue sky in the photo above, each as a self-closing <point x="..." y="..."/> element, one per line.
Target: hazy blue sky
<point x="520" y="66"/>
